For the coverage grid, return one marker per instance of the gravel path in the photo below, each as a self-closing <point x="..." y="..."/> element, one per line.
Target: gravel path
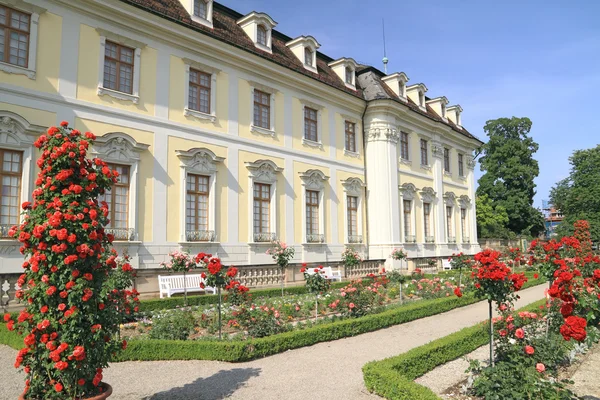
<point x="330" y="370"/>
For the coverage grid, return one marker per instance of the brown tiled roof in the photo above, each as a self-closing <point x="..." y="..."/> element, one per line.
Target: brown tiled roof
<point x="429" y="112"/>
<point x="227" y="30"/>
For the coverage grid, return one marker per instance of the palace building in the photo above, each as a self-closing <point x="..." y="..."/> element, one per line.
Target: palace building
<point x="229" y="134"/>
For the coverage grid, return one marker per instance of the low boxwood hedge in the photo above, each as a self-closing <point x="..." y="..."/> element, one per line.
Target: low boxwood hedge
<point x="393" y="378"/>
<point x="237" y="351"/>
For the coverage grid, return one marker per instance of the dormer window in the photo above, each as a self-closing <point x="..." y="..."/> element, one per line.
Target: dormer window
<point x="201" y="11"/>
<point x="305" y="49"/>
<point x="345" y="69"/>
<point x="200" y="8"/>
<point x="439" y="106"/>
<point x="259" y="28"/>
<point x="453" y="113"/>
<point x="397" y="82"/>
<point x="349" y="73"/>
<point x="308" y="57"/>
<point x="417" y="94"/>
<point x="261" y="35"/>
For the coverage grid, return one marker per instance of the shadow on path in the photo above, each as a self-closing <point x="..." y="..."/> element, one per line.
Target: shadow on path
<point x="218" y="386"/>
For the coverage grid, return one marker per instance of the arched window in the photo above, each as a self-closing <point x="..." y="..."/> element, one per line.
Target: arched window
<point x="349" y="75"/>
<point x="308" y="56"/>
<point x="261" y="35"/>
<point x="200" y="8"/>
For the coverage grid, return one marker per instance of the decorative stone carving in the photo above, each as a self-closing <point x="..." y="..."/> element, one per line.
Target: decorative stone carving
<point x="384" y="133"/>
<point x="353" y="186"/>
<point x="313" y="179"/>
<point x="428" y="195"/>
<point x="16" y="131"/>
<point x="464" y="201"/>
<point x="437" y="150"/>
<point x="408" y="191"/>
<point x="199" y="160"/>
<point x="263" y="171"/>
<point x="471" y="162"/>
<point x="118" y="147"/>
<point x="450" y="198"/>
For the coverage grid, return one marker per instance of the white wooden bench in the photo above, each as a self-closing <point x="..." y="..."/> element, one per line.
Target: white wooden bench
<point x="446" y="264"/>
<point x="328" y="273"/>
<point x="171" y="284"/>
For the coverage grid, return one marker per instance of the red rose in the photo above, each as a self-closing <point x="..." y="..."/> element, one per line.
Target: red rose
<point x="51" y="290"/>
<point x="58" y="387"/>
<point x="535" y="276"/>
<point x="61" y="365"/>
<point x="529" y="350"/>
<point x="64" y="124"/>
<point x="457" y="292"/>
<point x="62" y="306"/>
<point x="81" y="382"/>
<point x="520" y="333"/>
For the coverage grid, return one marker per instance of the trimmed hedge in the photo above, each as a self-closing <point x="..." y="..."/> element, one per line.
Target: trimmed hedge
<point x="393" y="378"/>
<point x="237" y="351"/>
<point x="202" y="300"/>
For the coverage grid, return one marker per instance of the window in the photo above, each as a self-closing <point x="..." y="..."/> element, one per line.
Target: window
<point x="424" y="158"/>
<point x="446" y="160"/>
<point x="262" y="207"/>
<point x="262" y="109"/>
<point x="404" y="145"/>
<point x="350" y="129"/>
<point x="407" y="219"/>
<point x="312" y="212"/>
<point x="14" y="37"/>
<point x="261" y="35"/>
<point x="10" y="196"/>
<point x="118" y="67"/>
<point x="349" y="75"/>
<point x="463" y="223"/>
<point x="352" y="210"/>
<point x="200" y="9"/>
<point x="200" y="91"/>
<point x="310" y="124"/>
<point x="197" y="194"/>
<point x="308" y="56"/>
<point x="461" y="165"/>
<point x="449" y="221"/>
<point x="427" y="220"/>
<point x="118" y="201"/>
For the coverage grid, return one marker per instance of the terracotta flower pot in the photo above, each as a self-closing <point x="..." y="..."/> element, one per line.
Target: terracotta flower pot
<point x="105" y="394"/>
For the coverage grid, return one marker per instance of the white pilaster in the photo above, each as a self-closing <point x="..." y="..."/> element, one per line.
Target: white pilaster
<point x="233" y="118"/>
<point x="437" y="151"/>
<point x="233" y="199"/>
<point x="161" y="110"/>
<point x="472" y="215"/>
<point x="69" y="54"/>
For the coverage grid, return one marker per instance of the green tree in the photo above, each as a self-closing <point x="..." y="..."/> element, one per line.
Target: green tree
<point x="578" y="196"/>
<point x="491" y="220"/>
<point x="509" y="172"/>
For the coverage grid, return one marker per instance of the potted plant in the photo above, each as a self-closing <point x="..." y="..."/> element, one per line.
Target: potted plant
<point x="281" y="254"/>
<point x="398" y="254"/>
<point x="72" y="316"/>
<point x="350" y="258"/>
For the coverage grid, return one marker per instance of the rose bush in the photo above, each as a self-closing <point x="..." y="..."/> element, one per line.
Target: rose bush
<point x="72" y="316"/>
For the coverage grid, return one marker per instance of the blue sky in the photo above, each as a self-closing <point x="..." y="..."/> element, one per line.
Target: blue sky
<point x="537" y="58"/>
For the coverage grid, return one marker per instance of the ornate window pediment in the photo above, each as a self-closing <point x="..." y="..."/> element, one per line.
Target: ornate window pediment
<point x="408" y="191"/>
<point x="313" y="179"/>
<point x="353" y="186"/>
<point x="263" y="171"/>
<point x="464" y="201"/>
<point x="16" y="131"/>
<point x="428" y="195"/>
<point x="118" y="147"/>
<point x="450" y="198"/>
<point x="199" y="160"/>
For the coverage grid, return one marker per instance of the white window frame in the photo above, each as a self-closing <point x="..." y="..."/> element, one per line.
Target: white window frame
<point x="428" y="195"/>
<point x="465" y="203"/>
<point x="354" y="187"/>
<point x="267" y="172"/>
<point x="447" y="172"/>
<point x="431" y="224"/>
<point x="314" y="180"/>
<point x="450" y="201"/>
<point x="120" y="148"/>
<point x="357" y="130"/>
<point x="311" y="143"/>
<point x="408" y="192"/>
<point x="35" y="12"/>
<point x="408" y="160"/>
<point x="198" y="161"/>
<point x="105" y="35"/>
<point x="208" y="21"/>
<point x="187" y="111"/>
<point x="272" y="92"/>
<point x="17" y="134"/>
